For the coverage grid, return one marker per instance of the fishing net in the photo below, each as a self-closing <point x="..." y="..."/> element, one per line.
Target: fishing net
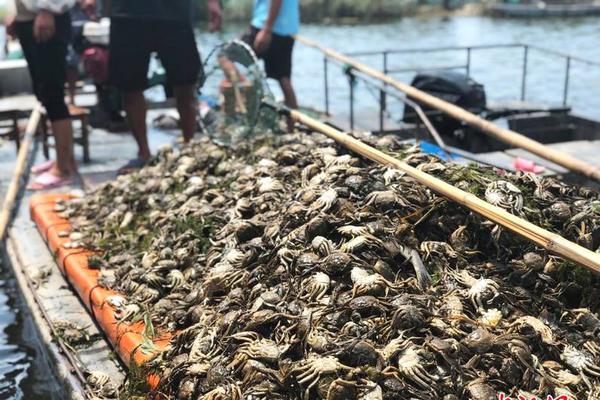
<point x="241" y="93"/>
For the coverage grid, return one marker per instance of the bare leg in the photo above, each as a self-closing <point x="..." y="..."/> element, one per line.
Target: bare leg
<point x="288" y="93"/>
<point x="135" y="107"/>
<point x="65" y="160"/>
<point x="187" y="107"/>
<point x="71" y="81"/>
<point x="289" y="96"/>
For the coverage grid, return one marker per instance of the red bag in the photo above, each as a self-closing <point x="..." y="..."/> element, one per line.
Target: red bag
<point x="95" y="63"/>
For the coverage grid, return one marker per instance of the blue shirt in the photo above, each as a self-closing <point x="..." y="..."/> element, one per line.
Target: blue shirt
<point x="287" y="22"/>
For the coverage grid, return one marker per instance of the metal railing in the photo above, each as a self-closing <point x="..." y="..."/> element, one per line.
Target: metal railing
<point x="469" y="51"/>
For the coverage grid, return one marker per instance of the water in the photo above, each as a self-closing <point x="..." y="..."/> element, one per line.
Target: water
<point x="498" y="70"/>
<point x="17" y="356"/>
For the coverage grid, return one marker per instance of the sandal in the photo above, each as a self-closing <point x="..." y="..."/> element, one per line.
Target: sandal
<point x="43" y="167"/>
<point x="132" y="166"/>
<point x="48" y="181"/>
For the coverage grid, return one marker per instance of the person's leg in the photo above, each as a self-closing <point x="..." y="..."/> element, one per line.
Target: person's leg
<point x="187" y="106"/>
<point x="289" y="94"/>
<point x="65" y="165"/>
<point x="278" y="65"/>
<point x="130" y="48"/>
<point x="72" y="75"/>
<point x="54" y="99"/>
<point x="47" y="66"/>
<point x="134" y="103"/>
<point x="179" y="55"/>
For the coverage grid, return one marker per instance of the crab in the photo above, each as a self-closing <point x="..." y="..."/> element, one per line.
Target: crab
<point x="256" y="371"/>
<point x="175" y="279"/>
<point x="478" y="288"/>
<point x="410" y="366"/>
<point x="505" y="195"/>
<point x="257" y="348"/>
<point x="269" y="184"/>
<point x="491" y="317"/>
<point x="127" y="312"/>
<point x="316" y="366"/>
<point x="353" y="231"/>
<point x="308" y="173"/>
<point x="391" y="174"/>
<point x="319" y="339"/>
<point x="478" y="389"/>
<point x="287" y="257"/>
<point x="223" y="276"/>
<point x="316" y="286"/>
<point x="559" y="376"/>
<point x="385" y="199"/>
<point x="360" y="242"/>
<point x="442" y="249"/>
<point x="365" y="283"/>
<point x="230" y="391"/>
<point x="101" y="384"/>
<point x="325" y="201"/>
<point x="581" y="362"/>
<point x="323" y="245"/>
<point x="203" y="346"/>
<point x="537" y="325"/>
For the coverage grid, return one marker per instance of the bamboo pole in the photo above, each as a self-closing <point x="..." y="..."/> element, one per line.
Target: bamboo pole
<point x="20" y="166"/>
<point x="508" y="136"/>
<point x="552" y="242"/>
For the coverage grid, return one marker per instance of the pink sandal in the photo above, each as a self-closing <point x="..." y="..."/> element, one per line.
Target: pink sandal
<point x="47" y="181"/>
<point x="43" y="167"/>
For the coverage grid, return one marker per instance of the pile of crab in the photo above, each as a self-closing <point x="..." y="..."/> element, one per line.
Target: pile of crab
<point x="292" y="269"/>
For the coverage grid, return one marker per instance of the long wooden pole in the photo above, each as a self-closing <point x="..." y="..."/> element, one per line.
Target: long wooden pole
<point x="508" y="136"/>
<point x="15" y="183"/>
<point x="554" y="243"/>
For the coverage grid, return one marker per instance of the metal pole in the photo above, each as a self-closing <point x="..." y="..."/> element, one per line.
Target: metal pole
<point x="383" y="96"/>
<point x="567" y="76"/>
<point x="524" y="77"/>
<point x="468" y="61"/>
<point x="326" y="78"/>
<point x="382" y="100"/>
<point x="351" y="83"/>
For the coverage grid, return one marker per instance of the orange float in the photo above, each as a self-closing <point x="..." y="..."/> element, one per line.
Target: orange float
<point x="126" y="338"/>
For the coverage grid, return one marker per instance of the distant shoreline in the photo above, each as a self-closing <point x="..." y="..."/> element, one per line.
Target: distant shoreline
<point x="355" y="11"/>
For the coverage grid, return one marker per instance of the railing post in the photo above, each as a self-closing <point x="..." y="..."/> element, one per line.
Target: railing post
<point x="351" y="81"/>
<point x="567" y="76"/>
<point x="326" y="83"/>
<point x="383" y="96"/>
<point x="468" y="61"/>
<point x="382" y="108"/>
<point x="524" y="77"/>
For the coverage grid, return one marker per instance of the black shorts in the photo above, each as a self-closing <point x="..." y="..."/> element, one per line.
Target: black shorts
<point x="278" y="57"/>
<point x="133" y="40"/>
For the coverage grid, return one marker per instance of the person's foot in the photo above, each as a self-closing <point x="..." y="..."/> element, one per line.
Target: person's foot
<point x="133" y="165"/>
<point x="49" y="180"/>
<point x="43" y="167"/>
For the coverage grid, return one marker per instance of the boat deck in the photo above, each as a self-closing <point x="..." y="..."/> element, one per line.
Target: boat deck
<point x="46" y="294"/>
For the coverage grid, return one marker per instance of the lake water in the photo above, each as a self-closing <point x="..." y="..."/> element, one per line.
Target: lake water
<point x="498" y="70"/>
<point x="22" y="375"/>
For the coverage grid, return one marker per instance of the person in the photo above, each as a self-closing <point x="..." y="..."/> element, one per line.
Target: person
<point x="140" y="27"/>
<point x="274" y="22"/>
<point x="44" y="27"/>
